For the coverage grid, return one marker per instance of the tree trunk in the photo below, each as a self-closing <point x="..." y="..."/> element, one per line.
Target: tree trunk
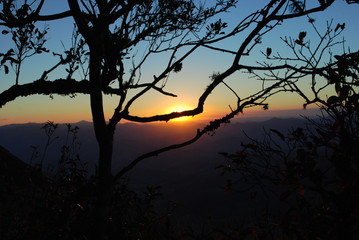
<point x="104" y="187"/>
<point x="104" y="137"/>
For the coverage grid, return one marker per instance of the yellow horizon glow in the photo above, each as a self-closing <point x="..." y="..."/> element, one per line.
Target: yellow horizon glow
<point x="40" y="109"/>
<point x="179" y="108"/>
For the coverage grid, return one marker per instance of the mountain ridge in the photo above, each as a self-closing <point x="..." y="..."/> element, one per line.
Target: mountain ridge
<point x="187" y="176"/>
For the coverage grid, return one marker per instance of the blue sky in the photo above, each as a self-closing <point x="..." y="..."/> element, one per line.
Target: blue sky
<point x="188" y="84"/>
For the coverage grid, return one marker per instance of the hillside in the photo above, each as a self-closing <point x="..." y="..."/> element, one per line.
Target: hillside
<point x="187" y="176"/>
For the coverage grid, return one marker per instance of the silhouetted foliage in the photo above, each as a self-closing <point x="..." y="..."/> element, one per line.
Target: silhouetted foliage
<point x="312" y="173"/>
<point x="58" y="203"/>
<point x="104" y="53"/>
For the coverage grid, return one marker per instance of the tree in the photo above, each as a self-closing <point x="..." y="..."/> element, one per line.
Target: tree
<point x="313" y="171"/>
<point x="106" y="35"/>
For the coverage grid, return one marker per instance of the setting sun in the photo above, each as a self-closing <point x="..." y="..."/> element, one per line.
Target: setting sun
<point x="179" y="108"/>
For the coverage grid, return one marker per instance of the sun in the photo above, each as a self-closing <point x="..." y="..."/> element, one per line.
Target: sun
<point x="179" y="108"/>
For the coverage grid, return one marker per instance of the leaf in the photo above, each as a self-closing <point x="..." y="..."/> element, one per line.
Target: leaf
<point x="302" y="35"/>
<point x="338" y="57"/>
<point x="6" y="69"/>
<point x="250" y="145"/>
<point x="299" y="42"/>
<point x="322" y="2"/>
<point x="337" y="27"/>
<point x="344" y="92"/>
<point x="279" y="134"/>
<point x="269" y="51"/>
<point x="338" y="87"/>
<point x="297" y="133"/>
<point x="342" y="26"/>
<point x="333" y="77"/>
<point x="177" y="67"/>
<point x="297" y="6"/>
<point x="332" y="100"/>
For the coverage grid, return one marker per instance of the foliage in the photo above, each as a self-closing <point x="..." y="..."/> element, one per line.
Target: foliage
<point x="104" y="53"/>
<point x="312" y="171"/>
<point x="28" y="40"/>
<point x="59" y="204"/>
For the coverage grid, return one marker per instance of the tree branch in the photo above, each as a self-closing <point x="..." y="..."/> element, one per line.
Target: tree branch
<point x="210" y="127"/>
<point x="54" y="16"/>
<point x="303" y="13"/>
<point x="164" y="117"/>
<point x="60" y="86"/>
<point x="159" y="89"/>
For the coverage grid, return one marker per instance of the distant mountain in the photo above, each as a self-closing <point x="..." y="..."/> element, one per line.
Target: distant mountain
<point x="187" y="176"/>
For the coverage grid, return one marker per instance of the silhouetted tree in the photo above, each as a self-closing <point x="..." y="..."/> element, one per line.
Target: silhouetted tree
<point x="312" y="171"/>
<point x="106" y="37"/>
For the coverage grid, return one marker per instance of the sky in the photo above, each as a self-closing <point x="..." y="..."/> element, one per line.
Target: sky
<point x="188" y="84"/>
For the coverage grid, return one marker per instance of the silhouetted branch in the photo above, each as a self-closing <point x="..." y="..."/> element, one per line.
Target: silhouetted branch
<point x="219" y="49"/>
<point x="12" y="21"/>
<point x="212" y="126"/>
<point x="304" y="70"/>
<point x="53" y="16"/>
<point x="163" y="117"/>
<point x="117" y="115"/>
<point x="322" y="7"/>
<point x="154" y="87"/>
<point x="61" y="86"/>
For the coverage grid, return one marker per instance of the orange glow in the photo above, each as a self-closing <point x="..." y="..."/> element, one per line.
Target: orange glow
<point x="179" y="108"/>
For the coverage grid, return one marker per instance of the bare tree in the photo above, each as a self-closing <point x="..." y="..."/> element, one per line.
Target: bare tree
<point x="106" y="34"/>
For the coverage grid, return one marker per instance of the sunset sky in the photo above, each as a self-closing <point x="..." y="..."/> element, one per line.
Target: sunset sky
<point x="188" y="84"/>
